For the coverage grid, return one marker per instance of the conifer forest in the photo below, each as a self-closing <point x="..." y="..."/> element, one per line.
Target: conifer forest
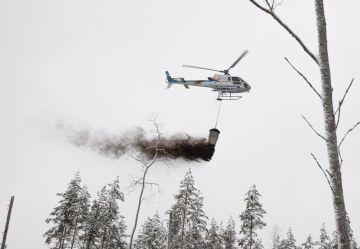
<point x="82" y="222"/>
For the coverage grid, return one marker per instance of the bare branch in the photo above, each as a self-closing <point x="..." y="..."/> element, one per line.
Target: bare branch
<point x="347" y="133"/>
<point x="340" y="156"/>
<point x="303" y="76"/>
<point x="270" y="6"/>
<point x="317" y="133"/>
<point x="261" y="7"/>
<point x="152" y="184"/>
<point x="338" y="117"/>
<point x="277" y="5"/>
<point x="327" y="171"/>
<point x="134" y="183"/>
<point x="301" y="43"/>
<point x="273" y="5"/>
<point x="139" y="181"/>
<point x="321" y="168"/>
<point x="137" y="156"/>
<point x="338" y="110"/>
<point x="343" y="98"/>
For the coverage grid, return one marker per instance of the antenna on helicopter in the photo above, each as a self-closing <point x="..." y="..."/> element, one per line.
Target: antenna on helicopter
<point x="225" y="71"/>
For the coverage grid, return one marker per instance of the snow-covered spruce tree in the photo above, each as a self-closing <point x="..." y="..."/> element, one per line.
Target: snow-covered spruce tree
<point x="188" y="224"/>
<point x="69" y="216"/>
<point x="251" y="220"/>
<point x="229" y="235"/>
<point x="213" y="239"/>
<point x="334" y="242"/>
<point x="90" y="238"/>
<point x="309" y="243"/>
<point x="153" y="234"/>
<point x="112" y="223"/>
<point x="289" y="242"/>
<point x="105" y="226"/>
<point x="80" y="221"/>
<point x="324" y="242"/>
<point x="275" y="237"/>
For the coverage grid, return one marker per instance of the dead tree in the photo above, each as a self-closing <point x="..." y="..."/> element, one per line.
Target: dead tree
<point x="331" y="117"/>
<point x="146" y="164"/>
<point x="3" y="243"/>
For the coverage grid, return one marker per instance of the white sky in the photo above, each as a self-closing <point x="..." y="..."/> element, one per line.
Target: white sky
<point x="101" y="64"/>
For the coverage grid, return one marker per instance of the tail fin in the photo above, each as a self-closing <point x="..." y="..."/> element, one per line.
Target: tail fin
<point x="169" y="79"/>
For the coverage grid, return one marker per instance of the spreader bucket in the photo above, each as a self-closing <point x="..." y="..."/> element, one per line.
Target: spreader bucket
<point x="213" y="136"/>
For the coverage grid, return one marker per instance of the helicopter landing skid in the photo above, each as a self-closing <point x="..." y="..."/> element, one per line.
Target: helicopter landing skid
<point x="223" y="96"/>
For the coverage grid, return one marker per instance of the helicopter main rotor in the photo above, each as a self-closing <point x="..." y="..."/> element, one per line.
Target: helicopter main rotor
<point x="225" y="71"/>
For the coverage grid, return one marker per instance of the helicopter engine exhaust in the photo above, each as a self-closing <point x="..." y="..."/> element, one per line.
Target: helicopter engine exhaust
<point x="138" y="142"/>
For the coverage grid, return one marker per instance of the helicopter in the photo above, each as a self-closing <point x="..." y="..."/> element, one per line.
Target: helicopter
<point x="228" y="87"/>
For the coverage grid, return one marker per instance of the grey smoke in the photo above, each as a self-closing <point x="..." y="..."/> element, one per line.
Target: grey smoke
<point x="180" y="145"/>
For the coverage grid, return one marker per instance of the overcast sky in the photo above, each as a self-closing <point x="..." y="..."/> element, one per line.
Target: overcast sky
<point x="100" y="64"/>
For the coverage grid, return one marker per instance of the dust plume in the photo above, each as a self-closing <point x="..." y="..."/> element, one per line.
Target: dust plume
<point x="178" y="146"/>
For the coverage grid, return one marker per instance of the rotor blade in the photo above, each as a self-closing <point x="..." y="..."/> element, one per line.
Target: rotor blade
<point x="203" y="68"/>
<point x="238" y="59"/>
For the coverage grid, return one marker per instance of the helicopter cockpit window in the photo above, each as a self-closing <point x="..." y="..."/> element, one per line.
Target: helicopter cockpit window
<point x="236" y="80"/>
<point x="216" y="77"/>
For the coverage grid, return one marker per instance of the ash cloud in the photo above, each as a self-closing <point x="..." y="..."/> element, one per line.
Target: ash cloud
<point x="178" y="146"/>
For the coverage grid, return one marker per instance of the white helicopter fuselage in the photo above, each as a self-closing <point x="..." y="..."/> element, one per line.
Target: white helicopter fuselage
<point x="221" y="83"/>
<point x="227" y="86"/>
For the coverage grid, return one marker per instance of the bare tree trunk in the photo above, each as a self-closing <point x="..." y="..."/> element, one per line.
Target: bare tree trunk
<point x="147" y="165"/>
<point x="106" y="234"/>
<point x="83" y="244"/>
<point x="103" y="240"/>
<point x="334" y="158"/>
<point x="88" y="243"/>
<point x="74" y="234"/>
<point x="62" y="241"/>
<point x="138" y="207"/>
<point x="3" y="243"/>
<point x="330" y="130"/>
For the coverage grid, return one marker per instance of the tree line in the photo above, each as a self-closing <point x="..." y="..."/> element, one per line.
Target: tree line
<point x="78" y="223"/>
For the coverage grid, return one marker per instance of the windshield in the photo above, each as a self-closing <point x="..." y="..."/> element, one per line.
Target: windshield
<point x="237" y="80"/>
